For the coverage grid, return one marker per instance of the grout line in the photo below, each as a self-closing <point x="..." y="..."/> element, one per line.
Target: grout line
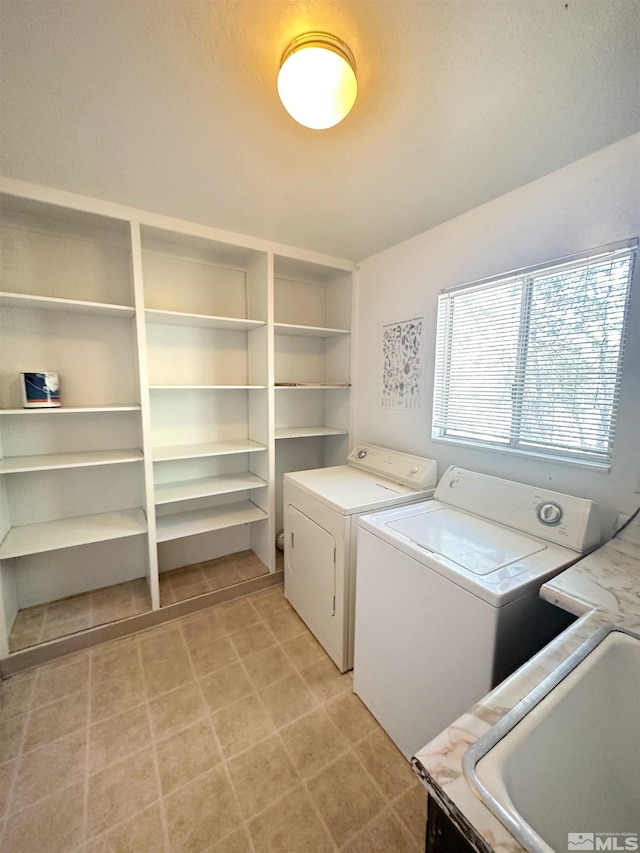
<point x="163" y="816"/>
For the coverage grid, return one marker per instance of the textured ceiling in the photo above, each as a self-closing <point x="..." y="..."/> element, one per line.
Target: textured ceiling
<point x="171" y="105"/>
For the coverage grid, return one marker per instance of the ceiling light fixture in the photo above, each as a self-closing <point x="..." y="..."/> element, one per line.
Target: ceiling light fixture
<point x="317" y="80"/>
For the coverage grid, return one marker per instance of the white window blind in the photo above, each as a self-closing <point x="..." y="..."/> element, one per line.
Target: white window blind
<point x="531" y="360"/>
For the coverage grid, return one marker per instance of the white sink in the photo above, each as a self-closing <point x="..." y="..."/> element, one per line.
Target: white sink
<point x="567" y="758"/>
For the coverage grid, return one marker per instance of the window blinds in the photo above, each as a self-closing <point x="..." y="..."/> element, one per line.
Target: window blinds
<point x="531" y="361"/>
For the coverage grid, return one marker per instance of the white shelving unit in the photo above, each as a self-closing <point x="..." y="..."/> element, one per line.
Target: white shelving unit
<point x="312" y="353"/>
<point x="172" y="342"/>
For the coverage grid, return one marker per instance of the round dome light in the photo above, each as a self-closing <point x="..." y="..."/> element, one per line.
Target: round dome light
<point x="317" y="80"/>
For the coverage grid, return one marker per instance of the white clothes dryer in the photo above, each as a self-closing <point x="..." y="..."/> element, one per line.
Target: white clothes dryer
<point x="447" y="602"/>
<point x="322" y="507"/>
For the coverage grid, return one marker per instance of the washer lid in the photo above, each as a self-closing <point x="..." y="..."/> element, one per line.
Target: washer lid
<point x="478" y="546"/>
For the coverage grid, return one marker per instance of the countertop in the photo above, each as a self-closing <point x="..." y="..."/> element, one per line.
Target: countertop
<point x="601" y="588"/>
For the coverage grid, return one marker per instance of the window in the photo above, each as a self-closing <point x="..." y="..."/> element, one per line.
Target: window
<point x="531" y="361"/>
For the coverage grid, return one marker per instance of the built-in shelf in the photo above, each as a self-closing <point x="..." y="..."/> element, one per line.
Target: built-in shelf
<point x="306" y="432"/>
<point x="213" y="448"/>
<point x="176" y="318"/>
<point x="51" y="303"/>
<point x="70" y="410"/>
<point x="181" y="524"/>
<point x="69" y="532"/>
<point x="206" y="387"/>
<point x="306" y="386"/>
<point x="166" y="493"/>
<point x="53" y="461"/>
<point x="308" y="331"/>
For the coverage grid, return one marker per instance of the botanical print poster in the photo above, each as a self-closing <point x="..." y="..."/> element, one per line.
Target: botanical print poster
<point x="402" y="364"/>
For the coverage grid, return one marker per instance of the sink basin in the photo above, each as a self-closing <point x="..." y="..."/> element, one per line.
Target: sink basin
<point x="562" y="769"/>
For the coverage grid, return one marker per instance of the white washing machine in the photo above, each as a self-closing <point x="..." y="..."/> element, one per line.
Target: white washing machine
<point x="447" y="601"/>
<point x="321" y="511"/>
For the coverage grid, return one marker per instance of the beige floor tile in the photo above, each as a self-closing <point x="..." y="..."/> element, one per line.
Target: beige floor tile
<point x="168" y="673"/>
<point x="238" y="615"/>
<point x="261" y="775"/>
<point x="108" y="658"/>
<point x="411" y="808"/>
<point x="385" y="762"/>
<point x="288" y="699"/>
<point x="120" y="791"/>
<point x="326" y="680"/>
<point x="212" y="656"/>
<point x="15" y="694"/>
<point x="270" y="602"/>
<point x="7" y="772"/>
<point x="57" y="682"/>
<point x="113" y="612"/>
<point x="117" y="693"/>
<point x="184" y="591"/>
<point x="185" y="576"/>
<point x="241" y="725"/>
<point x="313" y="742"/>
<point x="176" y="710"/>
<point x="351" y="717"/>
<point x="220" y="577"/>
<point x="304" y="650"/>
<point x="142" y="833"/>
<point x="293" y="825"/>
<point x="23" y="640"/>
<point x="51" y="768"/>
<point x="225" y="686"/>
<point x="346" y="797"/>
<point x="385" y="834"/>
<point x="202" y="812"/>
<point x="187" y="754"/>
<point x="161" y="642"/>
<point x="64" y="629"/>
<point x="237" y="842"/>
<point x="29" y="619"/>
<point x="253" y="639"/>
<point x="11" y="736"/>
<point x="285" y="625"/>
<point x="118" y="737"/>
<point x="267" y="666"/>
<point x="66" y="609"/>
<point x="202" y="628"/>
<point x="54" y="825"/>
<point x="57" y="719"/>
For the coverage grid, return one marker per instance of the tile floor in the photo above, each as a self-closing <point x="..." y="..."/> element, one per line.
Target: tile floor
<point x="34" y="625"/>
<point x="228" y="730"/>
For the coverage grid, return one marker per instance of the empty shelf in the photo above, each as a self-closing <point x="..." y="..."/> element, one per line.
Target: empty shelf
<point x="308" y="331"/>
<point x="68" y="532"/>
<point x="50" y="462"/>
<point x="177" y="318"/>
<point x="50" y="303"/>
<point x="206" y="387"/>
<point x="305" y="432"/>
<point x="306" y="386"/>
<point x="213" y="448"/>
<point x="70" y="410"/>
<point x="166" y="493"/>
<point x="183" y="524"/>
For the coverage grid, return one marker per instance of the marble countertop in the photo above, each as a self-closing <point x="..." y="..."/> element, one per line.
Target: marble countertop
<point x="602" y="588"/>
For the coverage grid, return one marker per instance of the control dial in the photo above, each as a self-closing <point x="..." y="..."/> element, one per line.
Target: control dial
<point x="549" y="513"/>
<point x="362" y="454"/>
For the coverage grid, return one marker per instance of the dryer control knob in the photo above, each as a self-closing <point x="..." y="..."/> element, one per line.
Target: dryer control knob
<point x="362" y="454"/>
<point x="550" y="513"/>
<point x="414" y="469"/>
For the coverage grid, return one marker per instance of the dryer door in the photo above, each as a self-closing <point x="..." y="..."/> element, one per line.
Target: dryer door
<point x="311" y="566"/>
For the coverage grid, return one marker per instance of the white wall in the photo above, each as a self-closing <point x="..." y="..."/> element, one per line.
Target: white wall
<point x="590" y="203"/>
